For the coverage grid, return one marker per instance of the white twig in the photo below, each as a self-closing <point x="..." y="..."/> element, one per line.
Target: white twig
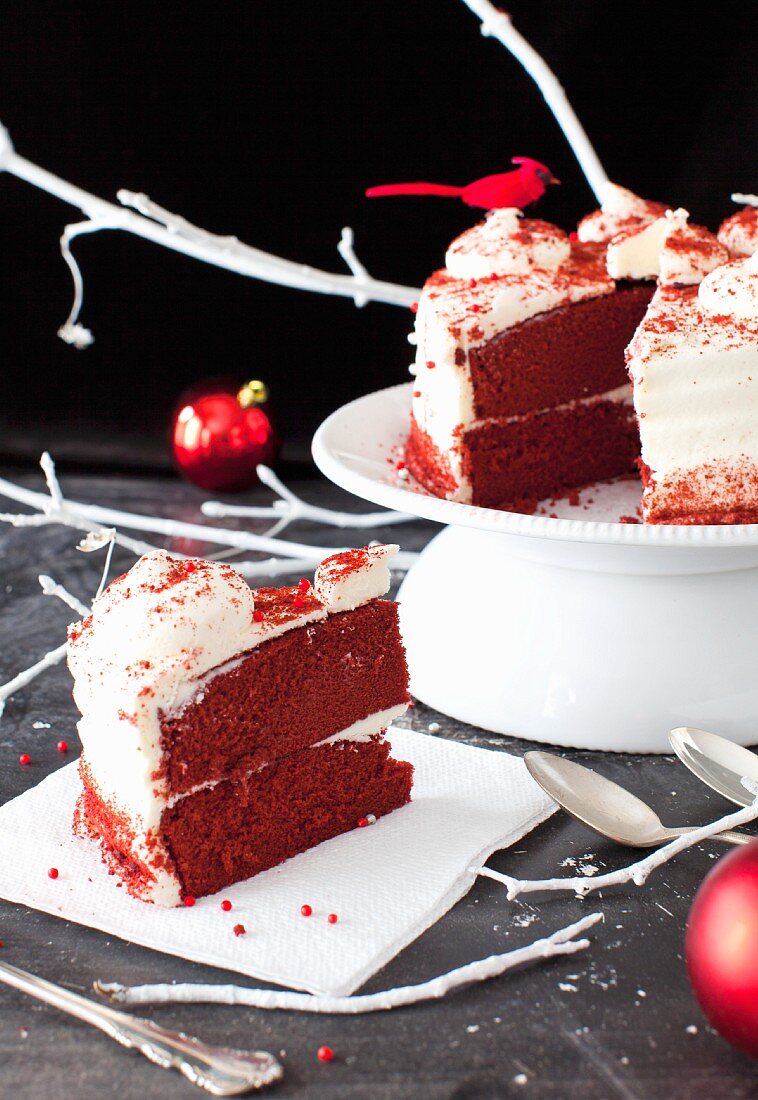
<point x="147" y="219"/>
<point x="290" y="508"/>
<point x="54" y="657"/>
<point x="86" y="516"/>
<point x="497" y="24"/>
<point x="51" y="588"/>
<point x="561" y="942"/>
<point x="636" y="872"/>
<point x="358" y="271"/>
<point x="747" y="200"/>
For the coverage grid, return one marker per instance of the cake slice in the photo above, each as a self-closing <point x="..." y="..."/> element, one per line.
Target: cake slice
<point x="521" y="389"/>
<point x="225" y="730"/>
<point x="694" y="367"/>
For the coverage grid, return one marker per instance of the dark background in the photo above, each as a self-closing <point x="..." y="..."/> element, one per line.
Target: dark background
<point x="267" y="120"/>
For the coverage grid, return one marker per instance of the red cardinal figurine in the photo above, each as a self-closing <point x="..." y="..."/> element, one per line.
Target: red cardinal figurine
<point x="518" y="188"/>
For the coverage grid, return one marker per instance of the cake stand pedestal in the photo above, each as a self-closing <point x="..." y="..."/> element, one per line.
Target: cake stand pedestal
<point x="582" y="632"/>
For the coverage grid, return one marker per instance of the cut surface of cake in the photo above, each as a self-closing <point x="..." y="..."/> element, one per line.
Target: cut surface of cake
<point x="521" y="388"/>
<point x="694" y="367"/>
<point x="225" y="730"/>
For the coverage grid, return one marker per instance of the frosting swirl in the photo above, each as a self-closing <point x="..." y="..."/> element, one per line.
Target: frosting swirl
<point x="507" y="244"/>
<point x="732" y="290"/>
<point x="620" y="210"/>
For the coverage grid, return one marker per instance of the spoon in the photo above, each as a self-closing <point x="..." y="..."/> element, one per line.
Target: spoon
<point x="718" y="762"/>
<point x="218" y="1070"/>
<point x="604" y="806"/>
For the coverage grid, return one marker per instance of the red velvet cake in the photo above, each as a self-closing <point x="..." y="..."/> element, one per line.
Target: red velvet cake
<point x="527" y="342"/>
<point x="521" y="386"/>
<point x="225" y="730"/>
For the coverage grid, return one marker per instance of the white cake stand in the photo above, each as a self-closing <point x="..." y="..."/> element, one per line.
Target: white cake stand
<point x="577" y="630"/>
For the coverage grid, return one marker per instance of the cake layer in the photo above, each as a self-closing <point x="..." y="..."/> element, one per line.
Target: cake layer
<point x="289" y="693"/>
<point x="567" y="353"/>
<point x="517" y="462"/>
<point x="237" y="828"/>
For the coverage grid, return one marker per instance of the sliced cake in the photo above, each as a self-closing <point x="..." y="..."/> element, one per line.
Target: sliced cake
<point x="520" y="385"/>
<point x="225" y="730"/>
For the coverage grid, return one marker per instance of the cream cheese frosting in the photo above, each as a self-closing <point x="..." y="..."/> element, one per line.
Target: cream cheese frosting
<point x="668" y="249"/>
<point x="739" y="233"/>
<point x="620" y="210"/>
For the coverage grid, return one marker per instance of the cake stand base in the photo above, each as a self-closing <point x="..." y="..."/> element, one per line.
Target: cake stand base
<point x="584" y="645"/>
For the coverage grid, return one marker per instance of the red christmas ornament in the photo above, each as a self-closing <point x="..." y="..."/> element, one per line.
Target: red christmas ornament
<point x="722" y="947"/>
<point x="222" y="432"/>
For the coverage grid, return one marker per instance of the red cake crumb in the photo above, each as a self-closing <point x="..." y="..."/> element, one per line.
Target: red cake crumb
<point x="239" y="930"/>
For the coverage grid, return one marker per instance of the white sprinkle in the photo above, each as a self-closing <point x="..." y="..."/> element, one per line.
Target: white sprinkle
<point x="691" y="1030"/>
<point x="567" y="987"/>
<point x="434" y="727"/>
<point x="624" y="1060"/>
<point x="403" y="475"/>
<point x="40" y="725"/>
<point x="520" y="1079"/>
<point x="589" y="869"/>
<point x="371" y="818"/>
<point x="641" y="993"/>
<point x="472" y="1029"/>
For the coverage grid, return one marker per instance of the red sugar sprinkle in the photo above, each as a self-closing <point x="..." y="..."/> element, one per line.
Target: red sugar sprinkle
<point x="362" y="822"/>
<point x="188" y="900"/>
<point x="414" y="307"/>
<point x="417" y="393"/>
<point x="430" y="364"/>
<point x="303" y="584"/>
<point x="62" y="746"/>
<point x="226" y="905"/>
<point x="24" y="759"/>
<point x="475" y="308"/>
<point x="190" y="567"/>
<point x="332" y="918"/>
<point x="325" y="1054"/>
<point x="239" y="930"/>
<point x="298" y="602"/>
<point x="53" y="872"/>
<point x="306" y="910"/>
<point x="472" y="282"/>
<point x="257" y="616"/>
<point x="399" y="465"/>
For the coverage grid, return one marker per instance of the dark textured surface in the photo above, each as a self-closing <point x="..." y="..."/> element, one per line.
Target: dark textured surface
<point x="618" y="1028"/>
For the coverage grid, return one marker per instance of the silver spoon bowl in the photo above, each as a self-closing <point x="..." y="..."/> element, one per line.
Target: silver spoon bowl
<point x="719" y="763"/>
<point x="604" y="806"/>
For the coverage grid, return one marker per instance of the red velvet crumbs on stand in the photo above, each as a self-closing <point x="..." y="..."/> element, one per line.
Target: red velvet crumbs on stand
<point x="239" y="930"/>
<point x="62" y="746"/>
<point x="303" y="584"/>
<point x="257" y="616"/>
<point x="53" y="872"/>
<point x="325" y="1054"/>
<point x="226" y="905"/>
<point x="188" y="900"/>
<point x="24" y="759"/>
<point x="306" y="910"/>
<point x="332" y="918"/>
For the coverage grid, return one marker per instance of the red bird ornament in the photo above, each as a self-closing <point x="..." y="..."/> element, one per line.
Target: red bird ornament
<point x="518" y="188"/>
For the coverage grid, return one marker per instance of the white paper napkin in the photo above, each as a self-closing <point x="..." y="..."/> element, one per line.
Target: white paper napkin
<point x="387" y="883"/>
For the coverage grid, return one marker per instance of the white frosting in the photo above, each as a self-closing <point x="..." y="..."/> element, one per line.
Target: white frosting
<point x="695" y="385"/>
<point x="503" y="244"/>
<point x="620" y="209"/>
<point x="732" y="290"/>
<point x="156" y="637"/>
<point x="454" y="317"/>
<point x="739" y="233"/>
<point x="348" y="580"/>
<point x="667" y="248"/>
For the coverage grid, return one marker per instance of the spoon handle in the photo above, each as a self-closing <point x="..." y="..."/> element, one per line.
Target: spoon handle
<point x="729" y="836"/>
<point x="218" y="1070"/>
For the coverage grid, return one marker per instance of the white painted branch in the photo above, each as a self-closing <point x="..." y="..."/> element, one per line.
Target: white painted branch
<point x="51" y="588"/>
<point x="561" y="942"/>
<point x="497" y="24"/>
<point x="635" y="872"/>
<point x="153" y="223"/>
<point x="747" y="200"/>
<point x="290" y="508"/>
<point x="54" y="657"/>
<point x="84" y="516"/>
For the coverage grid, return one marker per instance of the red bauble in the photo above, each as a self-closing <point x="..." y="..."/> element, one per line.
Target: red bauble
<point x="722" y="947"/>
<point x="222" y="432"/>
